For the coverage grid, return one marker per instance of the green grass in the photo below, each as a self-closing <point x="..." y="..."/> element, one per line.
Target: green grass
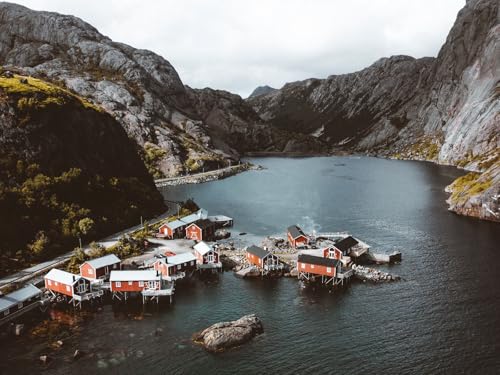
<point x="469" y="185"/>
<point x="36" y="93"/>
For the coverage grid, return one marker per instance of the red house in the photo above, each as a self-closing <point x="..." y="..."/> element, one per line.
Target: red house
<point x="346" y="245"/>
<point x="134" y="281"/>
<point x="175" y="267"/>
<point x="296" y="237"/>
<point x="332" y="252"/>
<point x="100" y="268"/>
<point x="263" y="259"/>
<point x="309" y="266"/>
<point x="174" y="229"/>
<point x="68" y="284"/>
<point x="203" y="230"/>
<point x="206" y="256"/>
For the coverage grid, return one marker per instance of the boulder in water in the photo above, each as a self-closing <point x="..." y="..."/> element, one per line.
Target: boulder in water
<point x="225" y="335"/>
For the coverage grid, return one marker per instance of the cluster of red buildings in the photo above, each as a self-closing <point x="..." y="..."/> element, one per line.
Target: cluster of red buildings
<point x="153" y="282"/>
<point x="197" y="226"/>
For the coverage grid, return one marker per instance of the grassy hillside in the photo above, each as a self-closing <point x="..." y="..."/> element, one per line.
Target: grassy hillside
<point x="67" y="170"/>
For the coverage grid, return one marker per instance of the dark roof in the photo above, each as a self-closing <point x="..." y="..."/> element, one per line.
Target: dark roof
<point x="204" y="224"/>
<point x="295" y="231"/>
<point x="346" y="244"/>
<point x="258" y="251"/>
<point x="320" y="261"/>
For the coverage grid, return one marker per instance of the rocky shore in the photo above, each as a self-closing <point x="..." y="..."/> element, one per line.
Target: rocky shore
<point x="200" y="178"/>
<point x="226" y="335"/>
<point x="370" y="274"/>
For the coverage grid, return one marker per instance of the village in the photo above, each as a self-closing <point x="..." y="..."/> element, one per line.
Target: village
<point x="197" y="245"/>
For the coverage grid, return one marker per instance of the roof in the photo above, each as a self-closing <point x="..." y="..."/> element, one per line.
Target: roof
<point x="20" y="295"/>
<point x="174" y="224"/>
<point x="203" y="248"/>
<point x="104" y="261"/>
<point x="295" y="231"/>
<point x="180" y="258"/>
<point x="320" y="261"/>
<point x="260" y="252"/>
<point x="346" y="243"/>
<point x="198" y="215"/>
<point x="62" y="277"/>
<point x="204" y="224"/>
<point x="136" y="275"/>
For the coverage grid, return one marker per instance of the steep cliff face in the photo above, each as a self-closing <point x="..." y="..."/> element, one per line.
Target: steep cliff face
<point x="445" y="109"/>
<point x="63" y="160"/>
<point x="140" y="89"/>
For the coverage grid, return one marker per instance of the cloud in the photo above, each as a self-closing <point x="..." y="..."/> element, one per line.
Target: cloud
<point x="237" y="45"/>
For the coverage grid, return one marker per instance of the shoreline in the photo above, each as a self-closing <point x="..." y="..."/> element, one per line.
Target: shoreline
<point x="199" y="178"/>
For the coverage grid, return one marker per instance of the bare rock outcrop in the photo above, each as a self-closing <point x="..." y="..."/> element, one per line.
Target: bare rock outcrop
<point x="444" y="109"/>
<point x="226" y="335"/>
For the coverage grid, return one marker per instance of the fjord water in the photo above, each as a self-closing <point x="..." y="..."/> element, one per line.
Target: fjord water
<point x="443" y="317"/>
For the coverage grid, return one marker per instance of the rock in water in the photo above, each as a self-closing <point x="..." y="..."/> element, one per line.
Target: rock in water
<point x="225" y="335"/>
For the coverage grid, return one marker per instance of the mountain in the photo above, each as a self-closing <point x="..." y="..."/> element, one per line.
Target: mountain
<point x="262" y="90"/>
<point x="67" y="169"/>
<point x="444" y="109"/>
<point x="140" y="89"/>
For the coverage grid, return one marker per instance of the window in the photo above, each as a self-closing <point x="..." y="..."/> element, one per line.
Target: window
<point x="179" y="267"/>
<point x="329" y="269"/>
<point x="118" y="284"/>
<point x="20" y="305"/>
<point x="68" y="288"/>
<point x="49" y="282"/>
<point x="6" y="312"/>
<point x="260" y="261"/>
<point x="91" y="271"/>
<point x="303" y="265"/>
<point x="130" y="283"/>
<point x="141" y="283"/>
<point x="192" y="262"/>
<point x="312" y="266"/>
<point x="56" y="283"/>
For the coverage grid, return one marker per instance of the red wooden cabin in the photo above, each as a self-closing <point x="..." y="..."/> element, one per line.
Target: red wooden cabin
<point x="134" y="281"/>
<point x="321" y="266"/>
<point x="263" y="259"/>
<point x="296" y="237"/>
<point x="203" y="230"/>
<point x="174" y="229"/>
<point x="66" y="283"/>
<point x="175" y="267"/>
<point x="332" y="252"/>
<point x="206" y="256"/>
<point x="100" y="268"/>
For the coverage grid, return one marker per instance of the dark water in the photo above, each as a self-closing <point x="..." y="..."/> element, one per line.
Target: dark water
<point x="444" y="317"/>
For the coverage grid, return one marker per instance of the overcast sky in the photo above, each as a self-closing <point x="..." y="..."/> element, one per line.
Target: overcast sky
<point x="237" y="45"/>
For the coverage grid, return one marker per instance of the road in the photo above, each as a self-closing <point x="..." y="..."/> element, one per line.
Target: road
<point x="197" y="176"/>
<point x="41" y="268"/>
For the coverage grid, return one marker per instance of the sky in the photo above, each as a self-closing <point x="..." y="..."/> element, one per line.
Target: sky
<point x="237" y="45"/>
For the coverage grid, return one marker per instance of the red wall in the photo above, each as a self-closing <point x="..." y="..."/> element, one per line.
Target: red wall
<point x="126" y="287"/>
<point x="299" y="241"/>
<point x="254" y="259"/>
<point x="203" y="259"/>
<point x="193" y="232"/>
<point x="59" y="288"/>
<point x="315" y="269"/>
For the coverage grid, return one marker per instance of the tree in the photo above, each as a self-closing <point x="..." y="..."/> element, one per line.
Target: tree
<point x="85" y="225"/>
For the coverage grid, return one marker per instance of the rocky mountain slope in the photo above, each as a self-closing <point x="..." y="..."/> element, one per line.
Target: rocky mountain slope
<point x="140" y="89"/>
<point x="66" y="169"/>
<point x="444" y="109"/>
<point x="262" y="90"/>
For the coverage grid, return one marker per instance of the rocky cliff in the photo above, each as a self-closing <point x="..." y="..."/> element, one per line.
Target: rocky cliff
<point x="67" y="169"/>
<point x="178" y="130"/>
<point x="444" y="109"/>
